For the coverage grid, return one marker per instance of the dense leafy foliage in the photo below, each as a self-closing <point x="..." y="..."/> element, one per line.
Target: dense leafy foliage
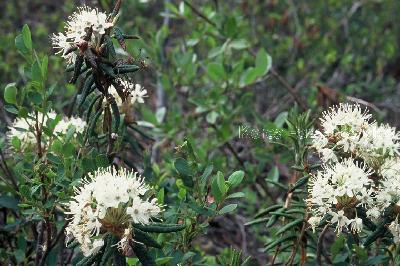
<point x="223" y="138"/>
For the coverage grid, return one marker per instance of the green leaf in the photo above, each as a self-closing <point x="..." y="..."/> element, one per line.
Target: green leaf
<point x="143" y="256"/>
<point x="11" y="109"/>
<point x="102" y="160"/>
<point x="8" y="202"/>
<point x="239" y="44"/>
<point x="145" y="238"/>
<point x="16" y="143"/>
<point x="236" y="195"/>
<point x="338" y="245"/>
<point x="221" y="183"/>
<point x="289" y="226"/>
<point x="10" y="93"/>
<point x="235" y="178"/>
<point x="160" y="227"/>
<point x="26" y="36"/>
<point x="212" y="117"/>
<point x="57" y="147"/>
<point x="227" y="209"/>
<point x="23" y="112"/>
<point x="182" y="166"/>
<point x="205" y="175"/>
<point x="216" y="191"/>
<point x="44" y="67"/>
<point x="160" y="196"/>
<point x="263" y="62"/>
<point x="216" y="71"/>
<point x="248" y="77"/>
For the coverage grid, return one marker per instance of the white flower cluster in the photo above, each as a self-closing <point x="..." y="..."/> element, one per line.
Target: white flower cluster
<point x="361" y="169"/>
<point x="65" y="124"/>
<point x="346" y="131"/>
<point x="134" y="93"/>
<point x="108" y="202"/>
<point x="337" y="190"/>
<point x="76" y="28"/>
<point x="24" y="128"/>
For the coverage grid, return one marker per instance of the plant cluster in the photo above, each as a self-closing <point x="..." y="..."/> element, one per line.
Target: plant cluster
<point x="360" y="172"/>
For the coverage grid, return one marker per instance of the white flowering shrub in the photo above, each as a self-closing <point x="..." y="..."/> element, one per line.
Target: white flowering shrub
<point x="352" y="193"/>
<point x="79" y="178"/>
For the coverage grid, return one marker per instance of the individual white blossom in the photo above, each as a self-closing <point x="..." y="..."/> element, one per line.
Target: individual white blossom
<point x="356" y="225"/>
<point x="134" y="93"/>
<point x="109" y="200"/>
<point x="337" y="190"/>
<point x="75" y="30"/>
<point x="394" y="228"/>
<point x="314" y="221"/>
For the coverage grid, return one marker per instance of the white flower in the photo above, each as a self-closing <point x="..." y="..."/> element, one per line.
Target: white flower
<point x="134" y="93"/>
<point x="344" y="117"/>
<point x="62" y="45"/>
<point x="138" y="94"/>
<point x="24" y="128"/>
<point x="66" y="123"/>
<point x="394" y="228"/>
<point x="142" y="211"/>
<point x="378" y="143"/>
<point x="339" y="219"/>
<point x="389" y="188"/>
<point x="314" y="221"/>
<point x="328" y="155"/>
<point x="75" y="30"/>
<point x="356" y="225"/>
<point x="342" y="128"/>
<point x="319" y="140"/>
<point x="109" y="200"/>
<point x="338" y="187"/>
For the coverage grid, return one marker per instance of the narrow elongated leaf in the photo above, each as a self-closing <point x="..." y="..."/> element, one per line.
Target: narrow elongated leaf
<point x="126" y="69"/>
<point x="144" y="238"/>
<point x="143" y="256"/>
<point x="227" y="209"/>
<point x="289" y="226"/>
<point x="160" y="227"/>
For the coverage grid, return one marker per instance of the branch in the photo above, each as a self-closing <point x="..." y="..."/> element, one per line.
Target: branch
<point x="320" y="245"/>
<point x="290" y="89"/>
<point x="200" y="14"/>
<point x="39" y="241"/>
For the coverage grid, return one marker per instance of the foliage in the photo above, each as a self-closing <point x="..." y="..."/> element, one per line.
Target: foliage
<point x="223" y="136"/>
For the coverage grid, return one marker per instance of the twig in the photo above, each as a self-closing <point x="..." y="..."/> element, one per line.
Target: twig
<point x="290" y="89"/>
<point x="39" y="241"/>
<point x="320" y="245"/>
<point x="200" y="14"/>
<point x="47" y="247"/>
<point x="294" y="250"/>
<point x="362" y="102"/>
<point x="59" y="235"/>
<point x="8" y="172"/>
<point x="231" y="148"/>
<point x="275" y="255"/>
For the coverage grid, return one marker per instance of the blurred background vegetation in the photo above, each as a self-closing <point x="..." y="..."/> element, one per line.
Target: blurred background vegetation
<point x="206" y="76"/>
